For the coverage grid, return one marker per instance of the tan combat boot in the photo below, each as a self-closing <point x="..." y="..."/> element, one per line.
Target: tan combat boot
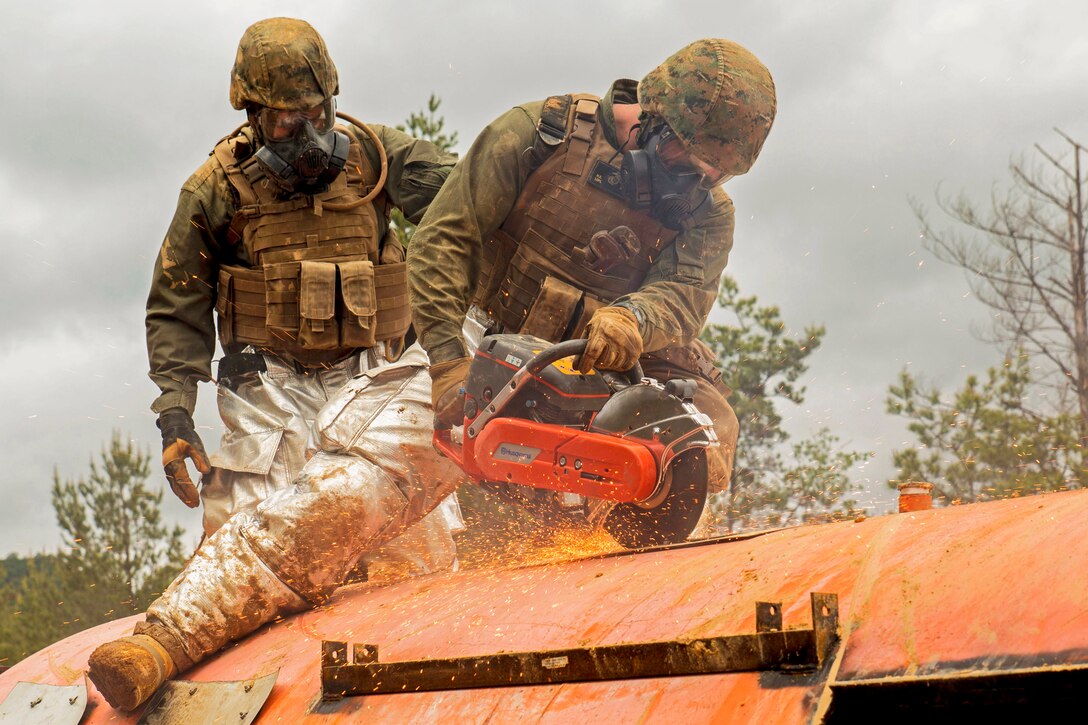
<point x="128" y="670"/>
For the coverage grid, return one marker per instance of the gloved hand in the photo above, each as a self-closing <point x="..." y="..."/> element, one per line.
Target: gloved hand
<point x="180" y="441"/>
<point x="608" y="249"/>
<point x="614" y="340"/>
<point x="448" y="391"/>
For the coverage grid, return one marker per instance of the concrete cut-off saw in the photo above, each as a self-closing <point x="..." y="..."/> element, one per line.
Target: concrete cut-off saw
<point x="624" y="451"/>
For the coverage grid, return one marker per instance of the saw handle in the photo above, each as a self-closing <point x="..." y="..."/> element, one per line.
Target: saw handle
<point x="544" y="358"/>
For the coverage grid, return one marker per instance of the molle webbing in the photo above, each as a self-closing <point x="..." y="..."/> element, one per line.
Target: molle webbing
<point x="317" y="287"/>
<point x="537" y="257"/>
<point x="265" y="311"/>
<point x="276" y="229"/>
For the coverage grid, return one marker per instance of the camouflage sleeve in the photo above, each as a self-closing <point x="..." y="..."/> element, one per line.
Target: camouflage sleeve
<point x="179" y="322"/>
<point x="682" y="285"/>
<point x="417" y="168"/>
<point x="444" y="256"/>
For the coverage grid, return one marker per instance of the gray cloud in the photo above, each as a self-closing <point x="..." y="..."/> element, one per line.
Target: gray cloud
<point x="108" y="108"/>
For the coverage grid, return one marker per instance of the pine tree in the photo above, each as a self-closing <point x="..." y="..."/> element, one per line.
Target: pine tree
<point x="427" y="125"/>
<point x="775" y="482"/>
<point x="430" y="126"/>
<point x="116" y="558"/>
<point x="1025" y="255"/>
<point x="985" y="441"/>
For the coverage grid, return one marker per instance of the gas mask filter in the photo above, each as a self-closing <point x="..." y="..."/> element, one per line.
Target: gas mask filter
<point x="300" y="148"/>
<point x="660" y="178"/>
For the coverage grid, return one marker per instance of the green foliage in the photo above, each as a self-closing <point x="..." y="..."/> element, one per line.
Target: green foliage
<point x="1025" y="252"/>
<point x="983" y="443"/>
<point x="13" y="569"/>
<point x="815" y="484"/>
<point x="773" y="484"/>
<point x="429" y="126"/>
<point x="116" y="558"/>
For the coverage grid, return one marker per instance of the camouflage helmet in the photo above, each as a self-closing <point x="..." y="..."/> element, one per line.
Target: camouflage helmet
<point x="718" y="98"/>
<point x="282" y="63"/>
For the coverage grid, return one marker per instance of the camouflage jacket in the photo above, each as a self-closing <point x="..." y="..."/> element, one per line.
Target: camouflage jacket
<point x="444" y="258"/>
<point x="180" y="325"/>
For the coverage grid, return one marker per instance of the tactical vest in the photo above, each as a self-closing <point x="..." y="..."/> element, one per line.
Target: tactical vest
<point x="318" y="285"/>
<point x="536" y="279"/>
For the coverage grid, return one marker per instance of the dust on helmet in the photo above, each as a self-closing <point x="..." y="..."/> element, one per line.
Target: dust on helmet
<point x="285" y="80"/>
<point x="282" y="63"/>
<point x="718" y="98"/>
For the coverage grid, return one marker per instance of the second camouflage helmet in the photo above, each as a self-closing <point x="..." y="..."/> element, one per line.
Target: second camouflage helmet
<point x="718" y="98"/>
<point x="282" y="63"/>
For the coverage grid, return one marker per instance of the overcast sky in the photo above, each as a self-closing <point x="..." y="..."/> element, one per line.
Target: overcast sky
<point x="105" y="112"/>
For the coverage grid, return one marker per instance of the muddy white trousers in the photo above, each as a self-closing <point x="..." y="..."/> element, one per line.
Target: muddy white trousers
<point x="374" y="473"/>
<point x="269" y="418"/>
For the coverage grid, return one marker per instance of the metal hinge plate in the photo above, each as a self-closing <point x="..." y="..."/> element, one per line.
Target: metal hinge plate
<point x="179" y="702"/>
<point x="29" y="703"/>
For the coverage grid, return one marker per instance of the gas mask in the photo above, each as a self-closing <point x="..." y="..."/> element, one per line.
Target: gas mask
<point x="299" y="148"/>
<point x="661" y="178"/>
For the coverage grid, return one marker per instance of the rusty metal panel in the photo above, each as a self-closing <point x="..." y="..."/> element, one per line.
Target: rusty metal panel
<point x="768" y="616"/>
<point x="983" y="588"/>
<point x="29" y="703"/>
<point x="986" y="587"/>
<point x="181" y="702"/>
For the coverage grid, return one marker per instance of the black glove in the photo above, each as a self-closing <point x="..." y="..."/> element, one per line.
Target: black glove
<point x="180" y="441"/>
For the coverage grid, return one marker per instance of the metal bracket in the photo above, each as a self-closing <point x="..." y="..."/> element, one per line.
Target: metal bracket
<point x="770" y="648"/>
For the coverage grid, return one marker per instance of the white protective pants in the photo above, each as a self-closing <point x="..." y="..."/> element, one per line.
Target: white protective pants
<point x="375" y="473"/>
<point x="269" y="418"/>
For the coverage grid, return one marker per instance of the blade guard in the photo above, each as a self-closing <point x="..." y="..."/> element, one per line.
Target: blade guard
<point x="661" y="417"/>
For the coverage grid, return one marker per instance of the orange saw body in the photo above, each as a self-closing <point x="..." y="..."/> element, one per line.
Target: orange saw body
<point x="606" y="443"/>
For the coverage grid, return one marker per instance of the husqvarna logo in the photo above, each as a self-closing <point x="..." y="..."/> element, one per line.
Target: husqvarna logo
<point x="516" y="454"/>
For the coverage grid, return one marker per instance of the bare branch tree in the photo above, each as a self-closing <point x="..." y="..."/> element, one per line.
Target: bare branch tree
<point x="1024" y="254"/>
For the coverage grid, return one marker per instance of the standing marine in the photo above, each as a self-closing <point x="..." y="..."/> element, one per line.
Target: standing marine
<point x="603" y="218"/>
<point x="283" y="232"/>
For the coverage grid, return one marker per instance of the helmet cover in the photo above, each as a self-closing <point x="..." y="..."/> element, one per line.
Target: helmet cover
<point x="282" y="63"/>
<point x="718" y="98"/>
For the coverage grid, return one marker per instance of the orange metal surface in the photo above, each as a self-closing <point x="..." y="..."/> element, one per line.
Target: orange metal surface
<point x="987" y="586"/>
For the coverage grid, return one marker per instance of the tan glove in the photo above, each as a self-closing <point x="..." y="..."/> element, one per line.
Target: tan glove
<point x="180" y="441"/>
<point x="614" y="340"/>
<point x="448" y="391"/>
<point x="608" y="249"/>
